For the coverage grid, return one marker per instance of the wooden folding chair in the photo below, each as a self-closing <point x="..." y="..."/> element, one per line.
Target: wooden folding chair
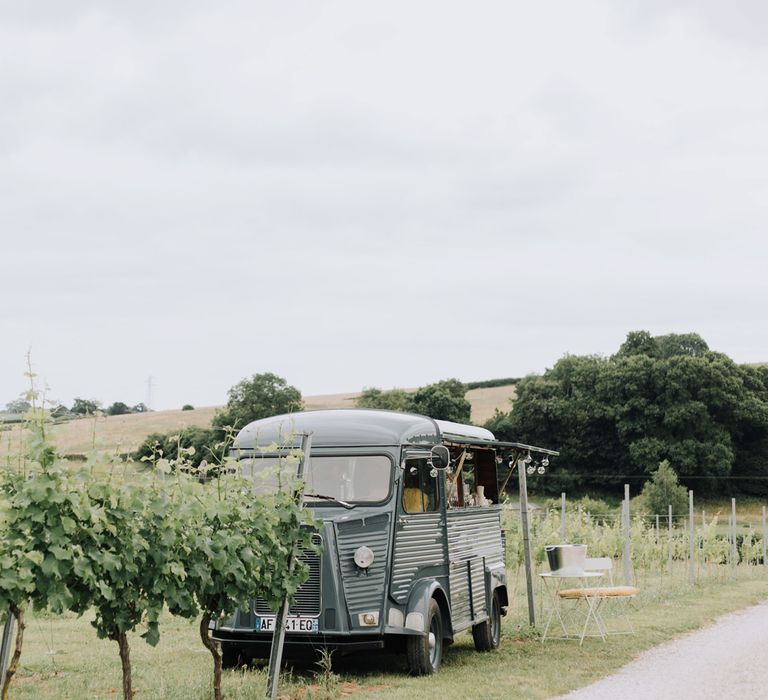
<point x="601" y="594"/>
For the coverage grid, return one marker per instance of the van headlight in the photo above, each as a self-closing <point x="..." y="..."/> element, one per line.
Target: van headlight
<point x="364" y="557"/>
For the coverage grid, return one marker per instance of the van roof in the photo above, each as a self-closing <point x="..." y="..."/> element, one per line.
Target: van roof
<point x="355" y="426"/>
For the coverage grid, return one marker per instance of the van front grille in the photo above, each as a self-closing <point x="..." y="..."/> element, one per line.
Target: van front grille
<point x="307" y="598"/>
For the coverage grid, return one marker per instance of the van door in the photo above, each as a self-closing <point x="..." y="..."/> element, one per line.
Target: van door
<point x="475" y="545"/>
<point x="419" y="549"/>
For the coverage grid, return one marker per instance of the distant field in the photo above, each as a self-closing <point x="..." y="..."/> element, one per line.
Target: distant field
<point x="486" y="401"/>
<point x="123" y="434"/>
<point x="116" y="433"/>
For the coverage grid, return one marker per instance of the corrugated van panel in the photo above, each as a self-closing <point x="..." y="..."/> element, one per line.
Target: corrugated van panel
<point x="363" y="591"/>
<point x="419" y="543"/>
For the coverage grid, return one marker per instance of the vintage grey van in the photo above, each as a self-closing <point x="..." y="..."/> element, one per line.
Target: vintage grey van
<point x="410" y="553"/>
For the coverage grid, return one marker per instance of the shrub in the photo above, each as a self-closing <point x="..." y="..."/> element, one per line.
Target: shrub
<point x="662" y="491"/>
<point x="85" y="407"/>
<point x="60" y="412"/>
<point x="187" y="407"/>
<point x="18" y="406"/>
<point x="444" y="400"/>
<point x="490" y="383"/>
<point x="206" y="444"/>
<point x="393" y="400"/>
<point x="588" y="504"/>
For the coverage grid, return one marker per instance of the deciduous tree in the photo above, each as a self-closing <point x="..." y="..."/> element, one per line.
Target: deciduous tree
<point x="392" y="400"/>
<point x="665" y="398"/>
<point x="445" y="400"/>
<point x="85" y="407"/>
<point x="261" y="396"/>
<point x="664" y="490"/>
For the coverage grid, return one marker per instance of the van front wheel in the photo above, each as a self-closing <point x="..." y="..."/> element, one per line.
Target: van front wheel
<point x="426" y="652"/>
<point x="487" y="635"/>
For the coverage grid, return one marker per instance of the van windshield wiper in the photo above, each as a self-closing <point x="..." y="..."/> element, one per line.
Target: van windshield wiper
<point x="323" y="497"/>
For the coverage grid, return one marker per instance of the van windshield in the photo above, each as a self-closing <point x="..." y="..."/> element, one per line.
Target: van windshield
<point x="348" y="478"/>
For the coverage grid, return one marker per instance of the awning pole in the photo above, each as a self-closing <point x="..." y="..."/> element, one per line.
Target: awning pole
<point x="521" y="465"/>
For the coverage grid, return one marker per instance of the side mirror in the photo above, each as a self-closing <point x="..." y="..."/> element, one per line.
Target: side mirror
<point x="440" y="457"/>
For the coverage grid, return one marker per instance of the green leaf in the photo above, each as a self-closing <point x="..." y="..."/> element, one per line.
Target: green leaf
<point x="34" y="556"/>
<point x="51" y="566"/>
<point x="60" y="553"/>
<point x="152" y="635"/>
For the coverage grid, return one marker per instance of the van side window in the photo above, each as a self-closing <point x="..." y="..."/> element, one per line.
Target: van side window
<point x="473" y="481"/>
<point x="419" y="488"/>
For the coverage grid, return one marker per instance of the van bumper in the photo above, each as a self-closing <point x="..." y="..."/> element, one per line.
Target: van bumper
<point x="259" y="645"/>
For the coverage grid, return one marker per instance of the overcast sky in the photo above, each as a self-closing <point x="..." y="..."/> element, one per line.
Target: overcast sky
<point x="356" y="194"/>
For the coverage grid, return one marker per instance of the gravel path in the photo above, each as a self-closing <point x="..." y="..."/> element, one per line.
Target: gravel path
<point x="728" y="659"/>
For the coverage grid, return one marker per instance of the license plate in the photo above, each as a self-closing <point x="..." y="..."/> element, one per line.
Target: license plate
<point x="292" y="624"/>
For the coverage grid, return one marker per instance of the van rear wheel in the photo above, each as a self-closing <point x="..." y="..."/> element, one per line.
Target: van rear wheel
<point x="487" y="635"/>
<point x="426" y="652"/>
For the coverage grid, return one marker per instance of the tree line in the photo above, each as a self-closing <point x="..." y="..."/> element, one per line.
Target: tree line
<point x="80" y="407"/>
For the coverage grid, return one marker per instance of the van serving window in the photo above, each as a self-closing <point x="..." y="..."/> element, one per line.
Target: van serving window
<point x="473" y="481"/>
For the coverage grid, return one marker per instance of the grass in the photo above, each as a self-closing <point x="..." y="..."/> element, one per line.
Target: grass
<point x="123" y="434"/>
<point x="749" y="509"/>
<point x="64" y="660"/>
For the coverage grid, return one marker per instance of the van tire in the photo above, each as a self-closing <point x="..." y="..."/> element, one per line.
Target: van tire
<point x="232" y="655"/>
<point x="425" y="652"/>
<point x="487" y="635"/>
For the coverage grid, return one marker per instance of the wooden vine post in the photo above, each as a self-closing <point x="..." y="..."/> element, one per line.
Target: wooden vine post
<point x="278" y="636"/>
<point x="5" y="650"/>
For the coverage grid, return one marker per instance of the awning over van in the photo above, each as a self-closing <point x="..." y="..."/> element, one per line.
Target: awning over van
<point x="462" y="441"/>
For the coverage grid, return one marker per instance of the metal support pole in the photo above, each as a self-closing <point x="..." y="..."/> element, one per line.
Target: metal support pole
<point x="5" y="651"/>
<point x="690" y="539"/>
<point x="562" y="517"/>
<point x="627" y="540"/>
<point x="669" y="539"/>
<point x="734" y="549"/>
<point x="278" y="636"/>
<point x="657" y="528"/>
<point x="730" y="539"/>
<point x="521" y="465"/>
<point x="765" y="561"/>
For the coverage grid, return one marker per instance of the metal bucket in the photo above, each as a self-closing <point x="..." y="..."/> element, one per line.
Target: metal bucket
<point x="566" y="559"/>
